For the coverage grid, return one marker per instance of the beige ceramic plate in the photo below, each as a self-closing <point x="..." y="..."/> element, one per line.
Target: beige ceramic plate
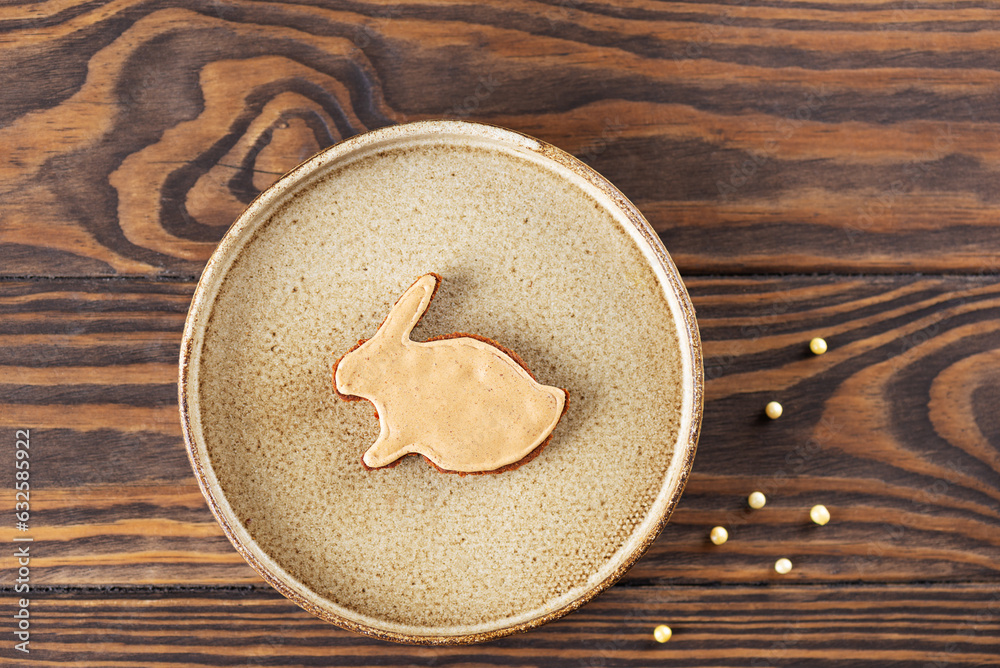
<point x="537" y="252"/>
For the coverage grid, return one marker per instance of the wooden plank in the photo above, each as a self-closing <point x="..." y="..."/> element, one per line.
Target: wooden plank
<point x="894" y="430"/>
<point x="781" y="137"/>
<point x="928" y="625"/>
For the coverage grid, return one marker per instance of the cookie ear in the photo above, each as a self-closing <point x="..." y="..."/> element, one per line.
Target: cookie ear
<point x="407" y="312"/>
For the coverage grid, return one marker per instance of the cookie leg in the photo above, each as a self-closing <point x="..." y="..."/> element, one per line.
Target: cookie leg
<point x="386" y="450"/>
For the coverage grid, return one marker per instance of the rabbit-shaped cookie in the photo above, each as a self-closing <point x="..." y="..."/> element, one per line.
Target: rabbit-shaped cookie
<point x="461" y="401"/>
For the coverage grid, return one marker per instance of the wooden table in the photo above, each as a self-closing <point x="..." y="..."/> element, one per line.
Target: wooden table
<point x="815" y="168"/>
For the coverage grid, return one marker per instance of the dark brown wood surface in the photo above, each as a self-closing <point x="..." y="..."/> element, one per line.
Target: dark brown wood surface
<point x="777" y="625"/>
<point x="815" y="168"/>
<point x="781" y="136"/>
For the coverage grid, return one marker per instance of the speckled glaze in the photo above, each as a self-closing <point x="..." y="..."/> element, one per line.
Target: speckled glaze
<point x="245" y="226"/>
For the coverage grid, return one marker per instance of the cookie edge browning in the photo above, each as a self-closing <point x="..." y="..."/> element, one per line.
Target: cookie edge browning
<point x="455" y="335"/>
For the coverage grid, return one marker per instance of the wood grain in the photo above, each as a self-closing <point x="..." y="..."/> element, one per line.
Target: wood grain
<point x="931" y="625"/>
<point x="790" y="136"/>
<point x="894" y="430"/>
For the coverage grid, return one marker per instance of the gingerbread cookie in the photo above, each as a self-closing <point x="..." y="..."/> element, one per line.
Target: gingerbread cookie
<point x="462" y="401"/>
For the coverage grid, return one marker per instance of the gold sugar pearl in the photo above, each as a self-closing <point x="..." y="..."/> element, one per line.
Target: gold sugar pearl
<point x="773" y="410"/>
<point x="817" y="346"/>
<point x="662" y="633"/>
<point x="719" y="535"/>
<point x="819" y="514"/>
<point x="783" y="566"/>
<point x="757" y="500"/>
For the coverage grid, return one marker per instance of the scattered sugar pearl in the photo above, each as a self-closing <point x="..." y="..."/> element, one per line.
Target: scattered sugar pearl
<point x="773" y="410"/>
<point x="719" y="535"/>
<point x="817" y="346"/>
<point x="662" y="633"/>
<point x="757" y="500"/>
<point x="783" y="566"/>
<point x="819" y="514"/>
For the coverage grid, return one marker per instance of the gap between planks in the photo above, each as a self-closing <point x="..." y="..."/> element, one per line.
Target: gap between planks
<point x="153" y="278"/>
